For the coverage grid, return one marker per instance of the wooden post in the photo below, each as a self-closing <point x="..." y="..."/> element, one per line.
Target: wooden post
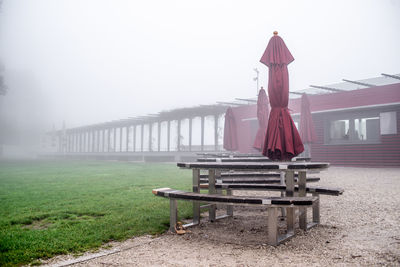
<point x="168" y="136"/>
<point x="302" y="193"/>
<point x="315" y="208"/>
<point x="190" y="134"/>
<point x="196" y="189"/>
<point x="173" y="214"/>
<point x="159" y="136"/>
<point x="202" y="133"/>
<point x="272" y="226"/>
<point x="289" y="175"/>
<point x="211" y="190"/>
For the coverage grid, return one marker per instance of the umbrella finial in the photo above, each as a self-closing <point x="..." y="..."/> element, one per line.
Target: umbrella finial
<point x="275" y="33"/>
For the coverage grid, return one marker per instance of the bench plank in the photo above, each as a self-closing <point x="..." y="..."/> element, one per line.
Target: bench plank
<point x="280" y="201"/>
<point x="276" y="187"/>
<point x="254" y="165"/>
<point x="256" y="180"/>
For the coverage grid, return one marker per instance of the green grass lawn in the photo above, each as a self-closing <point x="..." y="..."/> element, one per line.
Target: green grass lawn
<point x="53" y="207"/>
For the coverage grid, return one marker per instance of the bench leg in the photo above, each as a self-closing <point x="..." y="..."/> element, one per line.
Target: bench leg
<point x="315" y="209"/>
<point x="211" y="190"/>
<point x="173" y="214"/>
<point x="272" y="226"/>
<point x="290" y="218"/>
<point x="229" y="208"/>
<point x="196" y="189"/>
<point x="302" y="193"/>
<point x="282" y="177"/>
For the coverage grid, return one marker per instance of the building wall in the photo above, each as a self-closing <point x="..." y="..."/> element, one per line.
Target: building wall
<point x="384" y="153"/>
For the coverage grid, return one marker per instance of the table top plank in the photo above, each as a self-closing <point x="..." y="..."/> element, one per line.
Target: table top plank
<point x="273" y="165"/>
<point x="235" y="159"/>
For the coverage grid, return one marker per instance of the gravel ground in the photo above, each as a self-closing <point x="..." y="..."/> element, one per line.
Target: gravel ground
<point x="361" y="227"/>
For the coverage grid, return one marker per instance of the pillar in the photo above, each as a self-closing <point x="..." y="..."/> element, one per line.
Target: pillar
<point x="150" y="136"/>
<point x="202" y="133"/>
<point x="168" y="136"/>
<point x="216" y="132"/>
<point x="134" y="138"/>
<point x="127" y="138"/>
<point x="159" y="136"/>
<point x="108" y="139"/>
<point x="179" y="135"/>
<point x="190" y="134"/>
<point x="115" y="139"/>
<point x="93" y="140"/>
<point x="120" y="139"/>
<point x="141" y="137"/>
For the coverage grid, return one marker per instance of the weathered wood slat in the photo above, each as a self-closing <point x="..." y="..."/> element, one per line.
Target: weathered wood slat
<point x="254" y="165"/>
<point x="244" y="174"/>
<point x="276" y="187"/>
<point x="238" y="200"/>
<point x="256" y="180"/>
<point x="235" y="159"/>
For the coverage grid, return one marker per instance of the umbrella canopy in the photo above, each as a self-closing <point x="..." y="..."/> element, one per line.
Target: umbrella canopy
<point x="282" y="140"/>
<point x="230" y="135"/>
<point x="262" y="116"/>
<point x="307" y="130"/>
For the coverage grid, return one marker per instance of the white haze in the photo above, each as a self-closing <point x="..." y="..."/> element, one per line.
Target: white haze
<point x="93" y="61"/>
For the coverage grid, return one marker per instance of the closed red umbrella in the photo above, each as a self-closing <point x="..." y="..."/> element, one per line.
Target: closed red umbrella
<point x="282" y="140"/>
<point x="307" y="130"/>
<point x="262" y="116"/>
<point x="230" y="134"/>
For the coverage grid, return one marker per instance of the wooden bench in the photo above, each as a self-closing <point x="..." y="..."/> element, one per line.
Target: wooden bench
<point x="272" y="204"/>
<point x="316" y="191"/>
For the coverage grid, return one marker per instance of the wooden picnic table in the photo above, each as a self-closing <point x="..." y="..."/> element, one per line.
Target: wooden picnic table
<point x="289" y="169"/>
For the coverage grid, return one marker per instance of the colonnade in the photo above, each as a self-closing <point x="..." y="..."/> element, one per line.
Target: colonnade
<point x="123" y="136"/>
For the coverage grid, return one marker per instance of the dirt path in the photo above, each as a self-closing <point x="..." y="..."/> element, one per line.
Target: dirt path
<point x="361" y="227"/>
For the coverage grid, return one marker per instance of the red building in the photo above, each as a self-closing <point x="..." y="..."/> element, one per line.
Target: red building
<point x="357" y="123"/>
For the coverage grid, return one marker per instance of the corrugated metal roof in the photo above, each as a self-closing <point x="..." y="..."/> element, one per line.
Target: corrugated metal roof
<point x="348" y="86"/>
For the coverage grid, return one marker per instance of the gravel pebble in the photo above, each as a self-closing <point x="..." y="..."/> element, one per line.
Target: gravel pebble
<point x="360" y="227"/>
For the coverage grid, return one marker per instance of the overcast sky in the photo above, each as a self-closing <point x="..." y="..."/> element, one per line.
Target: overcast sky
<point x="95" y="61"/>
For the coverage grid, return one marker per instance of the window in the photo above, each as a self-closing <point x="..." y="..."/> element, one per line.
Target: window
<point x="339" y="130"/>
<point x="366" y="129"/>
<point x="388" y="122"/>
<point x="353" y="129"/>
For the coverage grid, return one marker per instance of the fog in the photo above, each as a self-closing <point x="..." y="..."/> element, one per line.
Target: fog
<point x="91" y="61"/>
